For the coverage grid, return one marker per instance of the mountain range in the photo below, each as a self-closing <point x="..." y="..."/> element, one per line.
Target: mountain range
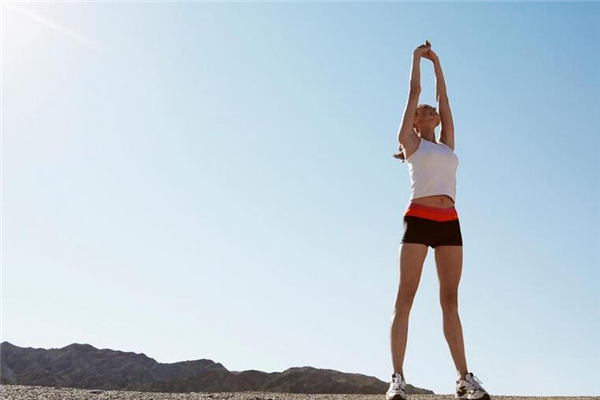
<point x="87" y="367"/>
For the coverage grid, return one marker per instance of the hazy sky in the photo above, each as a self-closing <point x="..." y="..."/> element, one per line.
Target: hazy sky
<point x="203" y="180"/>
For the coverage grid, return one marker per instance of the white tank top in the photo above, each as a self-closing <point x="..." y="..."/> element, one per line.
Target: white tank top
<point x="432" y="169"/>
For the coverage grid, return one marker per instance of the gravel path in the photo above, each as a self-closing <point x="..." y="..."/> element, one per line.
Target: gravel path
<point x="18" y="392"/>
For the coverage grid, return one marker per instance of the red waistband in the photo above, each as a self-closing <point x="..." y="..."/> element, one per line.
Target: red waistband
<point x="433" y="213"/>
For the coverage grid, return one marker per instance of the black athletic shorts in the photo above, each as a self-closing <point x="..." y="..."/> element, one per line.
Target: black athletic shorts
<point x="432" y="226"/>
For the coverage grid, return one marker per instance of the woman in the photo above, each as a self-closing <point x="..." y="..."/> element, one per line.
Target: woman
<point x="430" y="219"/>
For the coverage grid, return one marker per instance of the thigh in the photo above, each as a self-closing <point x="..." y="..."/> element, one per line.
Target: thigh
<point x="448" y="260"/>
<point x="412" y="257"/>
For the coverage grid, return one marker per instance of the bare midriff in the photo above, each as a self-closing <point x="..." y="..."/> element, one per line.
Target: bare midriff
<point x="440" y="200"/>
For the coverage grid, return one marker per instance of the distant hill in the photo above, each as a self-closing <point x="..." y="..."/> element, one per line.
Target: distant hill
<point x="84" y="366"/>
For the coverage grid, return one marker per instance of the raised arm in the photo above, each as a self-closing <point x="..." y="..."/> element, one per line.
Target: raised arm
<point x="407" y="139"/>
<point x="447" y="132"/>
<point x="406" y="126"/>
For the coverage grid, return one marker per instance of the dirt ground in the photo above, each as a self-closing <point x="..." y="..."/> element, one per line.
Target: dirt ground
<point x="18" y="392"/>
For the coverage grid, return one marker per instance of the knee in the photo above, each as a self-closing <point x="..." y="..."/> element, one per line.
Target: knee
<point x="404" y="303"/>
<point x="449" y="302"/>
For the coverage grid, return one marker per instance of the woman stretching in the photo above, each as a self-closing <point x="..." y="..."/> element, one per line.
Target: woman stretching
<point x="430" y="219"/>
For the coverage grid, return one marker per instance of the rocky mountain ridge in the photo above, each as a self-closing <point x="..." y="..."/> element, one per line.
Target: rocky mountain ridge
<point x="86" y="367"/>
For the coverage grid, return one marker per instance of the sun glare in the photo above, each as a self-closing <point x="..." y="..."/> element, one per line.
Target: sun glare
<point x="20" y="32"/>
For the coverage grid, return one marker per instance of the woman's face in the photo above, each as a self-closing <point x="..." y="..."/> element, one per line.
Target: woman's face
<point x="426" y="115"/>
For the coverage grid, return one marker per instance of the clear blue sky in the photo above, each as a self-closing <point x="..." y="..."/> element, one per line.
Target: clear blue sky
<point x="203" y="180"/>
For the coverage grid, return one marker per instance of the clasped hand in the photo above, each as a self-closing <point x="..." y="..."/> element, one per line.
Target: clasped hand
<point x="424" y="50"/>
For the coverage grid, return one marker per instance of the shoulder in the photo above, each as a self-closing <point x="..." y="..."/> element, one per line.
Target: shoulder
<point x="447" y="143"/>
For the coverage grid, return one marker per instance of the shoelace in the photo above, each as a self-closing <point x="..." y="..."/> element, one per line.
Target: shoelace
<point x="397" y="383"/>
<point x="477" y="382"/>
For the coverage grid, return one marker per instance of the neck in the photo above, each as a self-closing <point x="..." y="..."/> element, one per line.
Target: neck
<point x="427" y="134"/>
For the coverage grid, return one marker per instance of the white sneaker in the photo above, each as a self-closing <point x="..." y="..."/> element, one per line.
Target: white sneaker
<point x="397" y="390"/>
<point x="470" y="388"/>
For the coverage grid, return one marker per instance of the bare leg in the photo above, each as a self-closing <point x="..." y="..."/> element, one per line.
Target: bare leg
<point x="449" y="266"/>
<point x="412" y="257"/>
<point x="454" y="337"/>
